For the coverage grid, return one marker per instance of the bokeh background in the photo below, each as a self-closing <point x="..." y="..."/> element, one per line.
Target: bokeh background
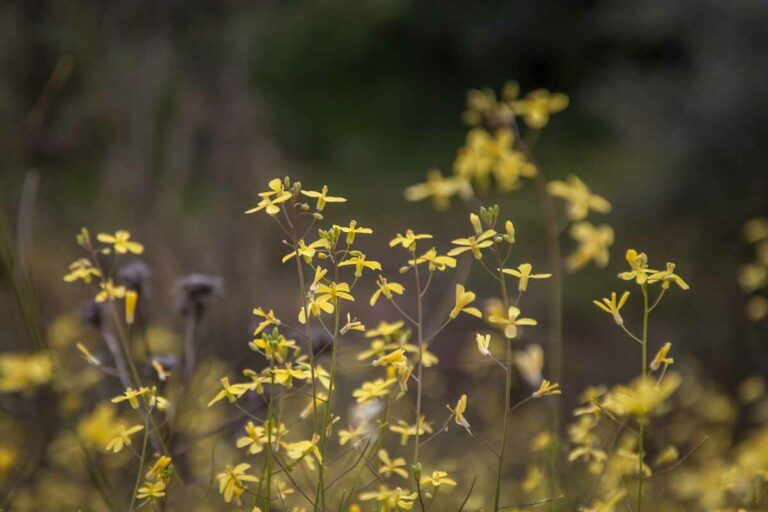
<point x="166" y="118"/>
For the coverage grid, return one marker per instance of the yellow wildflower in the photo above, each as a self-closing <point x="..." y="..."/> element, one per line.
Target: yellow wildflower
<point x="372" y="389"/>
<point x="613" y="306"/>
<point x="110" y="292"/>
<point x="474" y="244"/>
<point x="387" y="289"/>
<point x="82" y="269"/>
<point x="306" y="451"/>
<point x="269" y="319"/>
<point x="306" y="251"/>
<point x="352" y="230"/>
<point x="463" y="299"/>
<point x="483" y="344"/>
<point x="254" y="439"/>
<point x="662" y="357"/>
<point x="408" y="241"/>
<point x="393" y="358"/>
<point x="439" y="188"/>
<point x="391" y="499"/>
<point x="406" y="431"/>
<point x="358" y="260"/>
<point x="323" y="197"/>
<point x="458" y="413"/>
<point x="511" y="321"/>
<point x="667" y="277"/>
<point x="385" y="329"/>
<point x="151" y="490"/>
<point x="547" y="388"/>
<point x="229" y="391"/>
<point x="438" y="478"/>
<point x="593" y="243"/>
<point x="231" y="481"/>
<point x="390" y="466"/>
<point x="434" y="261"/>
<point x="159" y="469"/>
<point x="579" y="197"/>
<point x="538" y="106"/>
<point x="121" y="242"/>
<point x="530" y="363"/>
<point x="638" y="262"/>
<point x="523" y="273"/>
<point x="132" y="396"/>
<point x="122" y="437"/>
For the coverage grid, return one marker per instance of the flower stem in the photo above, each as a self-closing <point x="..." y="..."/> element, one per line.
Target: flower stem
<point x="640" y="436"/>
<point x="507" y="391"/>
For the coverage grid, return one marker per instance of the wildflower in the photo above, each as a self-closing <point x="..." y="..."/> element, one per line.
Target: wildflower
<point x="533" y="478"/>
<point x="121" y="242"/>
<point x="81" y="269"/>
<point x="641" y="397"/>
<point x="122" y="437"/>
<point x="529" y="363"/>
<point x="438" y="478"/>
<point x="151" y="490"/>
<point x="270" y="200"/>
<point x="99" y="426"/>
<point x="464" y="299"/>
<point x="546" y="389"/>
<point x="159" y="469"/>
<point x="509" y="232"/>
<point x="752" y="277"/>
<point x="484" y="155"/>
<point x="434" y="261"/>
<point x="613" y="306"/>
<point x="406" y="431"/>
<point x="254" y="439"/>
<point x="316" y="306"/>
<point x="269" y="319"/>
<point x="274" y="346"/>
<point x="352" y="230"/>
<point x="593" y="243"/>
<point x="353" y="435"/>
<point x="538" y="106"/>
<point x="88" y="355"/>
<point x="458" y="413"/>
<point x="473" y="244"/>
<point x="393" y="358"/>
<point x="390" y="466"/>
<point x="318" y="400"/>
<point x="579" y="197"/>
<point x="231" y="481"/>
<point x="372" y="389"/>
<point x="483" y="344"/>
<point x="131" y="297"/>
<point x="440" y="189"/>
<point x="306" y="251"/>
<point x="359" y="261"/>
<point x="306" y="451"/>
<point x="334" y="291"/>
<point x="229" y="391"/>
<point x="110" y="292"/>
<point x="385" y="329"/>
<point x="511" y="321"/>
<point x="387" y="289"/>
<point x="662" y="357"/>
<point x="353" y="324"/>
<point x="322" y="197"/>
<point x="668" y="276"/>
<point x="408" y="241"/>
<point x="391" y="499"/>
<point x="285" y="375"/>
<point x="8" y="458"/>
<point x="756" y="229"/>
<point x="666" y="456"/>
<point x="132" y="396"/>
<point x="638" y="262"/>
<point x="523" y="273"/>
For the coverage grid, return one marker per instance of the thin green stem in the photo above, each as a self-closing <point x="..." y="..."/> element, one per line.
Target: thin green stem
<point x="419" y="367"/>
<point x="640" y="437"/>
<point x="507" y="390"/>
<point x="141" y="462"/>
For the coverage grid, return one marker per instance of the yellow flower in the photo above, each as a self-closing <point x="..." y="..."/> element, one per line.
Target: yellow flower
<point x="162" y="373"/>
<point x="642" y="397"/>
<point x="352" y="230"/>
<point x="438" y="478"/>
<point x="316" y="305"/>
<point x="434" y="261"/>
<point x="579" y="197"/>
<point x="529" y="363"/>
<point x="484" y="155"/>
<point x="269" y="319"/>
<point x="638" y="262"/>
<point x="270" y="200"/>
<point x="334" y="292"/>
<point x="662" y="357"/>
<point x="132" y="396"/>
<point x="23" y="372"/>
<point x="593" y="243"/>
<point x="509" y="232"/>
<point x="274" y="346"/>
<point x="122" y="437"/>
<point x="231" y="481"/>
<point x="393" y="358"/>
<point x="613" y="306"/>
<point x="440" y="189"/>
<point x="458" y="413"/>
<point x="121" y="242"/>
<point x="323" y="197"/>
<point x="306" y="451"/>
<point x="390" y="466"/>
<point x="523" y="273"/>
<point x="254" y="439"/>
<point x="511" y="321"/>
<point x="546" y="389"/>
<point x="372" y="389"/>
<point x="666" y="456"/>
<point x="483" y="344"/>
<point x="151" y="490"/>
<point x="406" y="431"/>
<point x="98" y="426"/>
<point x="131" y="298"/>
<point x="230" y="391"/>
<point x="110" y="292"/>
<point x="8" y="456"/>
<point x="385" y="329"/>
<point x="81" y="269"/>
<point x="474" y="244"/>
<point x="464" y="299"/>
<point x="538" y="105"/>
<point x="756" y="230"/>
<point x="353" y="435"/>
<point x="159" y="469"/>
<point x="353" y="324"/>
<point x="408" y="241"/>
<point x="667" y="277"/>
<point x="306" y="251"/>
<point x="359" y="261"/>
<point x="391" y="499"/>
<point x="387" y="289"/>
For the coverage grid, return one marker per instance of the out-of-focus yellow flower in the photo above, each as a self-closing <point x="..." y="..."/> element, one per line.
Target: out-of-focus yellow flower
<point x="82" y="269"/>
<point x="408" y="241"/>
<point x="440" y="189"/>
<point x="662" y="357"/>
<point x="757" y="308"/>
<point x="613" y="306"/>
<point x="437" y="479"/>
<point x="387" y="289"/>
<point x="391" y="466"/>
<point x="160" y="469"/>
<point x="524" y="273"/>
<point x="458" y="413"/>
<point x="594" y="242"/>
<point x="306" y="451"/>
<point x="547" y="388"/>
<point x="109" y="291"/>
<point x="391" y="499"/>
<point x="533" y="478"/>
<point x="638" y="263"/>
<point x="485" y="154"/>
<point x="642" y="397"/>
<point x="132" y="396"/>
<point x="352" y="231"/>
<point x="360" y="262"/>
<point x="579" y="197"/>
<point x="8" y="457"/>
<point x="667" y="277"/>
<point x="24" y="372"/>
<point x="323" y="197"/>
<point x="530" y="363"/>
<point x="97" y="427"/>
<point x="434" y="261"/>
<point x="393" y="358"/>
<point x="229" y="391"/>
<point x="463" y="300"/>
<point x="511" y="322"/>
<point x="121" y="242"/>
<point x="353" y="435"/>
<point x="756" y="229"/>
<point x="151" y="490"/>
<point x="131" y="298"/>
<point x="254" y="439"/>
<point x="537" y="107"/>
<point x="666" y="456"/>
<point x="372" y="389"/>
<point x="122" y="437"/>
<point x="406" y="431"/>
<point x="232" y="481"/>
<point x="473" y="244"/>
<point x="752" y="389"/>
<point x="483" y="344"/>
<point x="385" y="329"/>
